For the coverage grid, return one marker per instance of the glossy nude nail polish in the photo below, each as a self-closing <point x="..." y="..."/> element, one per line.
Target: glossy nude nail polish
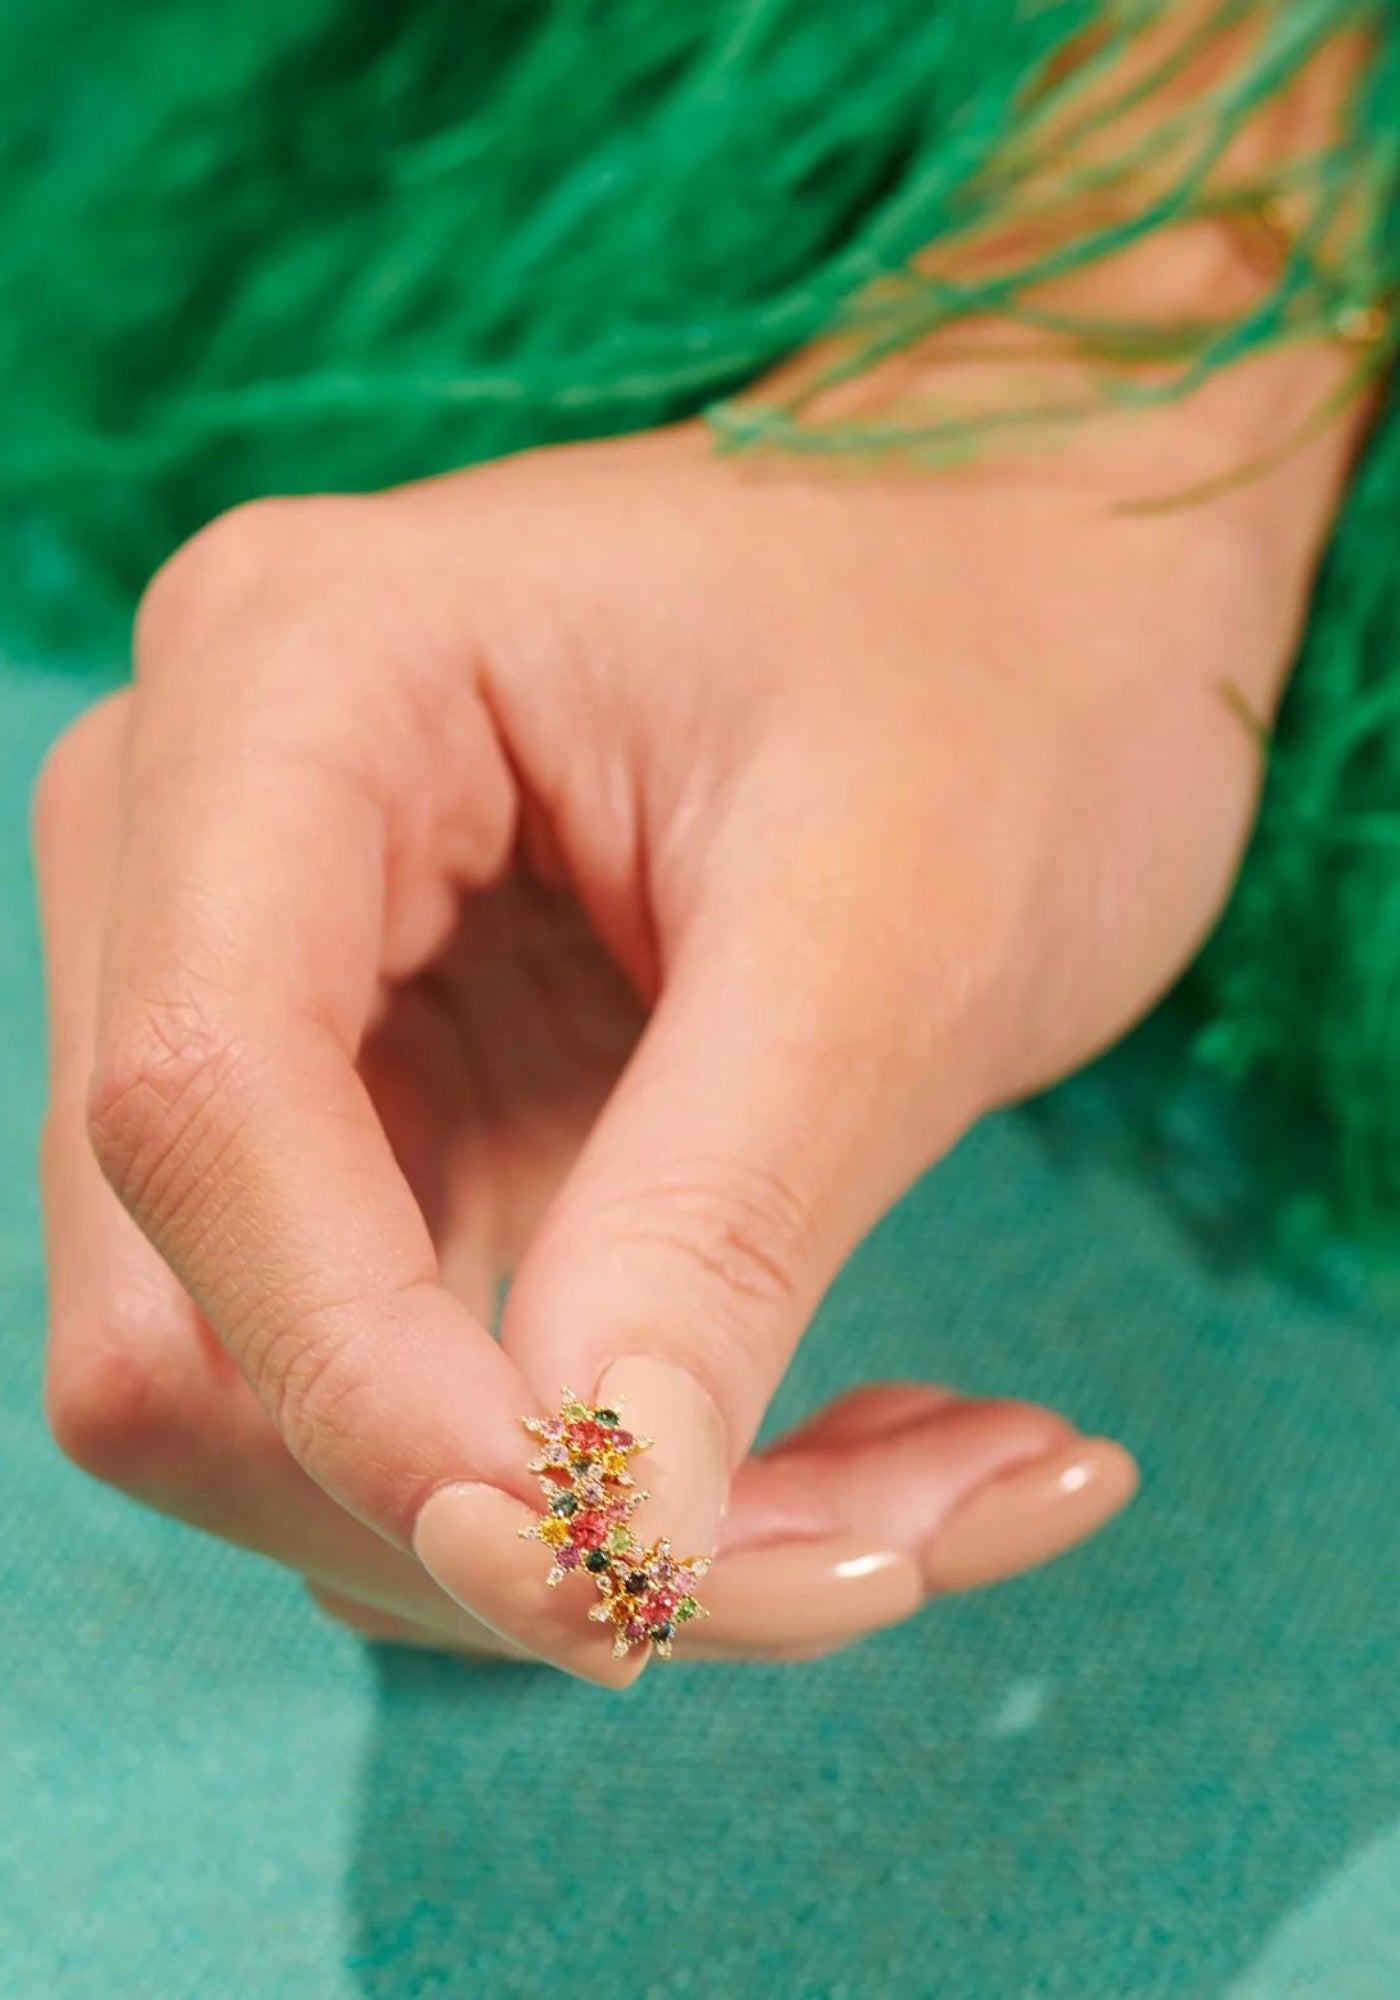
<point x="1031" y="1513"/>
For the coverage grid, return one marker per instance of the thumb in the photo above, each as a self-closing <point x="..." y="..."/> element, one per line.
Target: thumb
<point x="769" y="1115"/>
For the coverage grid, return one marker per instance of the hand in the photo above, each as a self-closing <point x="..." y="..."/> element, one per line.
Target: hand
<point x="630" y="869"/>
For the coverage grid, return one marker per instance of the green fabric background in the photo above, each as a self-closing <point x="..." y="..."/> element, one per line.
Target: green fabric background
<point x="1169" y="1766"/>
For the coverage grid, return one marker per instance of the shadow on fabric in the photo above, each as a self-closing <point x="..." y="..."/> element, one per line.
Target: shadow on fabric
<point x="1123" y="1777"/>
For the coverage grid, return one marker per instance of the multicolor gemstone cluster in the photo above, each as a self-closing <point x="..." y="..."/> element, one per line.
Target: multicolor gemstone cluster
<point x="584" y="1469"/>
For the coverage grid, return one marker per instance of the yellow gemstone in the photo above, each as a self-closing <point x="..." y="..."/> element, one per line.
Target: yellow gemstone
<point x="554" y="1531"/>
<point x="612" y="1464"/>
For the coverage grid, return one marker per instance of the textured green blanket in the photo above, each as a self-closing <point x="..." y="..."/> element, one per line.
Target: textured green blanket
<point x="1169" y="1766"/>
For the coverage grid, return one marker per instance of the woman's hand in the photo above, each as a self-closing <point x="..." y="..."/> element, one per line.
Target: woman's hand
<point x="628" y="869"/>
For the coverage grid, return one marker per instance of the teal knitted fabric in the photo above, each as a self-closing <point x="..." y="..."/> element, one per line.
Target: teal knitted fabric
<point x="334" y="244"/>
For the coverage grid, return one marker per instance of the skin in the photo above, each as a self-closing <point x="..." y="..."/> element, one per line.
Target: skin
<point x="626" y="869"/>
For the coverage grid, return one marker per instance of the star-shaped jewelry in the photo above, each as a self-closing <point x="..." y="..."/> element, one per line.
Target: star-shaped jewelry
<point x="584" y="1447"/>
<point x="586" y="1534"/>
<point x="646" y="1595"/>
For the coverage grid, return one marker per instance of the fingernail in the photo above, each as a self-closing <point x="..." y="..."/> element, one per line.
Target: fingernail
<point x="471" y="1639"/>
<point x="467" y="1537"/>
<point x="686" y="1472"/>
<point x="1033" y="1512"/>
<point x="803" y="1597"/>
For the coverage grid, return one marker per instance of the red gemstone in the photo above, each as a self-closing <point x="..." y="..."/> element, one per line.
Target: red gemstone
<point x="657" y="1608"/>
<point x="588" y="1436"/>
<point x="624" y="1440"/>
<point x="587" y="1531"/>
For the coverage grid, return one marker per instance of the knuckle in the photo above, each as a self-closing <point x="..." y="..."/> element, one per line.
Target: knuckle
<point x="223" y="569"/>
<point x="738" y="1232"/>
<point x="74" y="762"/>
<point x="115" y="1409"/>
<point x="162" y="1100"/>
<point x="302" y="1369"/>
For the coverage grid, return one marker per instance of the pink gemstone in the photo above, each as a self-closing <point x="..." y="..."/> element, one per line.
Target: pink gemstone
<point x="586" y="1531"/>
<point x="568" y="1558"/>
<point x="624" y="1440"/>
<point x="634" y="1630"/>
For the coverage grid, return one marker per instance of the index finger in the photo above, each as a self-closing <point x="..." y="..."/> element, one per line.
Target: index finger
<point x="245" y="945"/>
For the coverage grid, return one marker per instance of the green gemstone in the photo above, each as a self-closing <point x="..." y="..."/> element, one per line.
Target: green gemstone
<point x="618" y="1540"/>
<point x="608" y="1418"/>
<point x="660" y="1634"/>
<point x="596" y="1561"/>
<point x="565" y="1504"/>
<point x="687" y="1608"/>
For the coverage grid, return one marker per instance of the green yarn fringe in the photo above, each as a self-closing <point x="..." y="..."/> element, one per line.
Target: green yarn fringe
<point x="330" y="244"/>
